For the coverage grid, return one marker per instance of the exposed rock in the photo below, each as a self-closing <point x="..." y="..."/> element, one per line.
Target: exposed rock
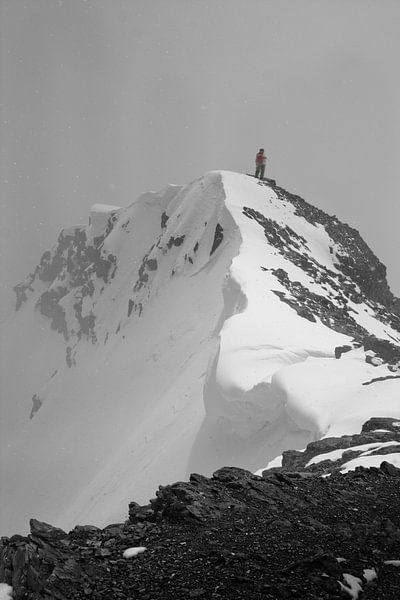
<point x="164" y="220"/>
<point x="377" y="430"/>
<point x="218" y="237"/>
<point x="131" y="305"/>
<point x="69" y="357"/>
<point x="390" y="469"/>
<point x="385" y="423"/>
<point x="69" y="269"/>
<point x="175" y="241"/>
<point x="234" y="535"/>
<point x="45" y="531"/>
<point x="152" y="264"/>
<point x="377" y="379"/>
<point x="49" y="306"/>
<point x="37" y="403"/>
<point x="339" y="350"/>
<point x="356" y="260"/>
<point x="362" y="278"/>
<point x="21" y="290"/>
<point x="388" y="352"/>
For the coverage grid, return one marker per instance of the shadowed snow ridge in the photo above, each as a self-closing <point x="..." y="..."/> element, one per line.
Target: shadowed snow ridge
<point x="221" y="322"/>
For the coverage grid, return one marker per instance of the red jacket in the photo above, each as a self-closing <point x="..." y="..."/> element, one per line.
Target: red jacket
<point x="260" y="158"/>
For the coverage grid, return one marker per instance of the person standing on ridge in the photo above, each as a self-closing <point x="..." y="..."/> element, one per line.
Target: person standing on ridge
<point x="260" y="163"/>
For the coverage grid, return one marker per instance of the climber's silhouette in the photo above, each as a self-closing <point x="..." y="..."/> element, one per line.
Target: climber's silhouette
<point x="260" y="163"/>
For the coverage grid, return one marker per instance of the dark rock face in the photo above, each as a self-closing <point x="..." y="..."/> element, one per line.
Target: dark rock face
<point x="289" y="534"/>
<point x="48" y="305"/>
<point x="308" y="305"/>
<point x="386" y="423"/>
<point x="46" y="532"/>
<point x="36" y="404"/>
<point x="357" y="261"/>
<point x="277" y="235"/>
<point x="175" y="241"/>
<point x="389" y="353"/>
<point x="339" y="350"/>
<point x="164" y="220"/>
<point x="377" y="431"/>
<point x="71" y="267"/>
<point x="378" y="379"/>
<point x="361" y="277"/>
<point x="218" y="237"/>
<point x="23" y="289"/>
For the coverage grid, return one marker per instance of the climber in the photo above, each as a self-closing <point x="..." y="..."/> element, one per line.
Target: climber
<point x="260" y="163"/>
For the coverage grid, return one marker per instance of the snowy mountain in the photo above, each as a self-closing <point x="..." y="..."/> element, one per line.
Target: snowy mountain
<point x="223" y="322"/>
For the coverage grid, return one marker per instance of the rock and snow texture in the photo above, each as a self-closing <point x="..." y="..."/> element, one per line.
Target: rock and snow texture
<point x="377" y="445"/>
<point x="218" y="323"/>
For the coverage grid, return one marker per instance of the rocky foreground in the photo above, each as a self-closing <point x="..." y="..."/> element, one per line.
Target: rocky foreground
<point x="311" y="532"/>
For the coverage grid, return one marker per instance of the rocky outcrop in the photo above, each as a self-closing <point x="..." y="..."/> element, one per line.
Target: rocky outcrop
<point x="386" y="351"/>
<point x="379" y="436"/>
<point x="218" y="237"/>
<point x="287" y="534"/>
<point x="355" y="260"/>
<point x="360" y="277"/>
<point x="71" y="268"/>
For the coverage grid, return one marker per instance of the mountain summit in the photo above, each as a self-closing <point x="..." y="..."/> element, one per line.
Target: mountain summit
<point x="222" y="322"/>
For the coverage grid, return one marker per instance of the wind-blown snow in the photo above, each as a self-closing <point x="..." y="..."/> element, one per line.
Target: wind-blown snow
<point x="196" y="361"/>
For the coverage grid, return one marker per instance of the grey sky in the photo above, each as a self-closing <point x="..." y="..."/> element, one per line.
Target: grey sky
<point x="102" y="100"/>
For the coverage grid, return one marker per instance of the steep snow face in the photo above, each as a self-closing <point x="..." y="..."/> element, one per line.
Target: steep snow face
<point x="198" y="327"/>
<point x="276" y="383"/>
<point x="115" y="340"/>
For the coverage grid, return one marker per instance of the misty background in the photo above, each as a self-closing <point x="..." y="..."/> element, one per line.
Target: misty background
<point x="102" y="100"/>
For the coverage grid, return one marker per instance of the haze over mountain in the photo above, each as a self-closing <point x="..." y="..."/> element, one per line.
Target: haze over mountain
<point x="217" y="323"/>
<point x="93" y="90"/>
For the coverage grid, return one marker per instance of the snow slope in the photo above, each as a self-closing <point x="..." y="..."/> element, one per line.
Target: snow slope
<point x="195" y="328"/>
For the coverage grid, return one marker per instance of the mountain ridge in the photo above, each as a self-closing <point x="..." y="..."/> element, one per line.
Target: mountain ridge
<point x="172" y="335"/>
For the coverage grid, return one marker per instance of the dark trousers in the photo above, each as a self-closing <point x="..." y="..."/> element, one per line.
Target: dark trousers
<point x="260" y="170"/>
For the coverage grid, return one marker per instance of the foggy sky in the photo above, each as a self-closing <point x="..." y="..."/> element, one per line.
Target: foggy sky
<point x="102" y="100"/>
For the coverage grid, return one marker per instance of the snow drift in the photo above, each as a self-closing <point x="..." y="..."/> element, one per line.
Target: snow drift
<point x="217" y="323"/>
